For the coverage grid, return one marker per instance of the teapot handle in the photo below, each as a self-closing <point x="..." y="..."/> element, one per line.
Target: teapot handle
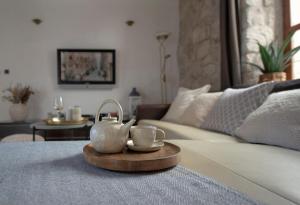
<point x="120" y="110"/>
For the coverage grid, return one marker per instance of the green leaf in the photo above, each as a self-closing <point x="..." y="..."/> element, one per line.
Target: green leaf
<point x="265" y="58"/>
<point x="257" y="66"/>
<point x="287" y="41"/>
<point x="288" y="57"/>
<point x="273" y="57"/>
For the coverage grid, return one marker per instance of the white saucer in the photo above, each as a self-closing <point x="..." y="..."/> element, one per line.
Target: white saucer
<point x="155" y="146"/>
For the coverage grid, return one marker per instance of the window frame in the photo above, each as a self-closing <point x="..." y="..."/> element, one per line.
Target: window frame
<point x="286" y="29"/>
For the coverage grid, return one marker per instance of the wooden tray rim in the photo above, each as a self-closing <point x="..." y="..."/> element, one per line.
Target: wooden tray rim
<point x="171" y="161"/>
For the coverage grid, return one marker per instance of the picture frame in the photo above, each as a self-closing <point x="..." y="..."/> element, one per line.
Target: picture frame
<point x="86" y="66"/>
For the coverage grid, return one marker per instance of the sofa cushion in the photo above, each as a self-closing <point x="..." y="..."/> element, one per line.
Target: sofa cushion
<point x="276" y="122"/>
<point x="195" y="113"/>
<point x="177" y="131"/>
<point x="271" y="168"/>
<point x="182" y="101"/>
<point x="234" y="106"/>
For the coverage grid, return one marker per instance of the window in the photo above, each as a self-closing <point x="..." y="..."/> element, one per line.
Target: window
<point x="292" y="22"/>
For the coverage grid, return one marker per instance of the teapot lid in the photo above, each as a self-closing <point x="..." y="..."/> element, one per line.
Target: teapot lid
<point x="109" y="118"/>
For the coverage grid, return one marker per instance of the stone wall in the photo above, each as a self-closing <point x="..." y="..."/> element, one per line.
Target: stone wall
<point x="199" y="56"/>
<point x="262" y="22"/>
<point x="199" y="43"/>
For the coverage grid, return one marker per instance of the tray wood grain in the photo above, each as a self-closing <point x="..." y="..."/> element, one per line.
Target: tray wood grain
<point x="130" y="161"/>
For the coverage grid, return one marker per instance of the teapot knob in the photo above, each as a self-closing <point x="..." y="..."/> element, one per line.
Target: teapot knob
<point x="117" y="104"/>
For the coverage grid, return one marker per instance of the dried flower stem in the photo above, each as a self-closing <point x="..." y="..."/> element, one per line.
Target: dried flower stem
<point x="17" y="94"/>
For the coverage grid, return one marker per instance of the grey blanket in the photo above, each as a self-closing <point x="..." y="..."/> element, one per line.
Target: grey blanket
<point x="43" y="173"/>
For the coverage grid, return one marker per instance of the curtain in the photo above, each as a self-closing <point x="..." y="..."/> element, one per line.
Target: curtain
<point x="231" y="73"/>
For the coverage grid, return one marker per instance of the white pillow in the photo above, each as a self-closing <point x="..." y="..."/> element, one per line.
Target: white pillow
<point x="275" y="122"/>
<point x="183" y="99"/>
<point x="194" y="115"/>
<point x="234" y="106"/>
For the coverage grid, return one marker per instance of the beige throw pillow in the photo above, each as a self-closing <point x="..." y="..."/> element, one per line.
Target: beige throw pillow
<point x="194" y="115"/>
<point x="183" y="99"/>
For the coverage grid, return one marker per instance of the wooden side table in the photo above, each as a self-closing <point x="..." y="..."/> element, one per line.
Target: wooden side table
<point x="43" y="126"/>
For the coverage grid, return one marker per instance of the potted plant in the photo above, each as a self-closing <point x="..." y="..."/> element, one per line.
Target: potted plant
<point x="275" y="60"/>
<point x="18" y="95"/>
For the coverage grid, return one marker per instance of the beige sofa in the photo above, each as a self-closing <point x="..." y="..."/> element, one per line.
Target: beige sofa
<point x="267" y="173"/>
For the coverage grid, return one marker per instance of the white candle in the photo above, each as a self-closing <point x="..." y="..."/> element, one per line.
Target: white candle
<point x="76" y="113"/>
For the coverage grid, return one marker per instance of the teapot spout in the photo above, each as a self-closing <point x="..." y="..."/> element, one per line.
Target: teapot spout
<point x="126" y="127"/>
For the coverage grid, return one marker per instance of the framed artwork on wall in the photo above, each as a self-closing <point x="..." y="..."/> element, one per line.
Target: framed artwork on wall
<point x="86" y="66"/>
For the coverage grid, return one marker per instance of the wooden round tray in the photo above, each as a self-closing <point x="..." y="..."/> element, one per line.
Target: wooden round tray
<point x="130" y="161"/>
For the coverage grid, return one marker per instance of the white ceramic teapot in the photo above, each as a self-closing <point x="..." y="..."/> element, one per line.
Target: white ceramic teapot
<point x="110" y="135"/>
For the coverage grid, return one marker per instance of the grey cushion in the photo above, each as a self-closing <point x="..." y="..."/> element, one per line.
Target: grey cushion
<point x="276" y="122"/>
<point x="234" y="106"/>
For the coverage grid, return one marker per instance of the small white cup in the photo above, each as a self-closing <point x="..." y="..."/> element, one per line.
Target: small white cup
<point x="145" y="136"/>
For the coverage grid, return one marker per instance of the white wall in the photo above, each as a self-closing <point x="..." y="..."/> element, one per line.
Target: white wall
<point x="29" y="51"/>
